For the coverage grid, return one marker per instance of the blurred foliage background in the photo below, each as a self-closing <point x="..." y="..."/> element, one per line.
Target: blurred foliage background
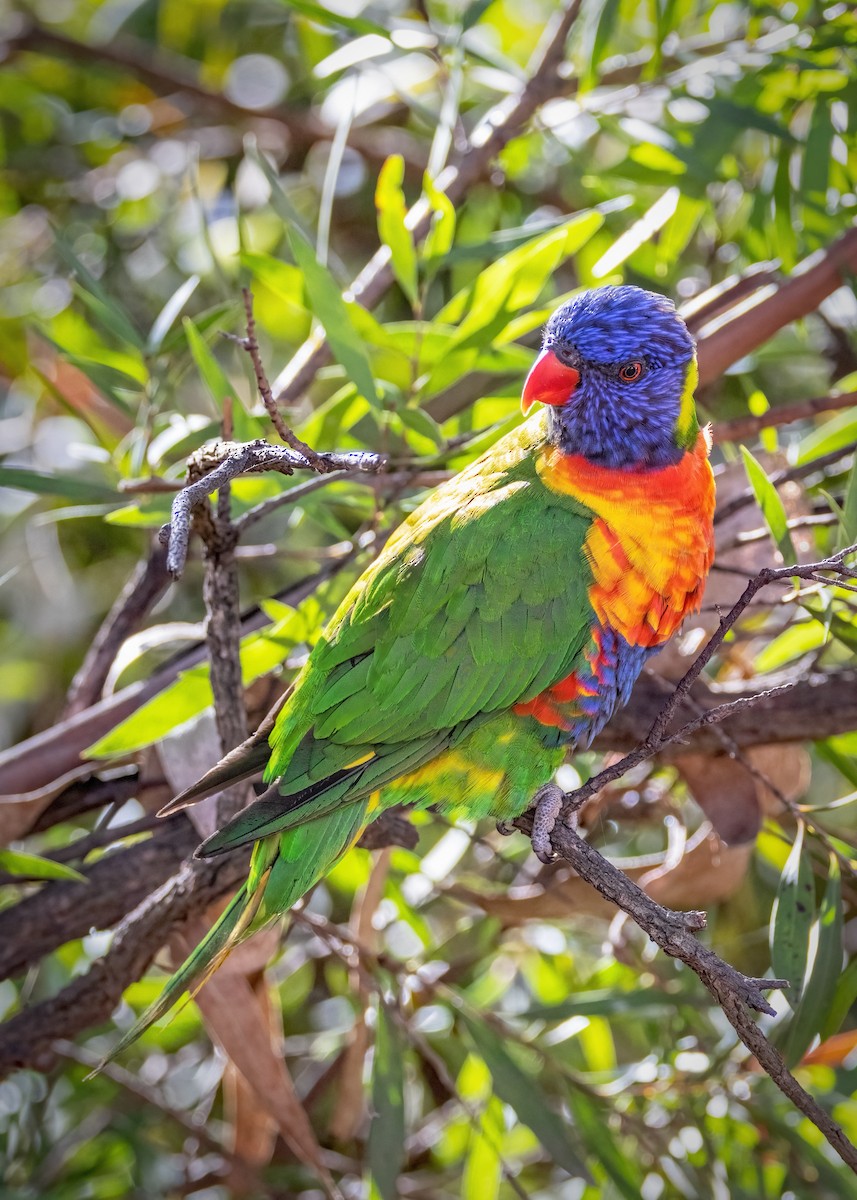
<point x="457" y="1021"/>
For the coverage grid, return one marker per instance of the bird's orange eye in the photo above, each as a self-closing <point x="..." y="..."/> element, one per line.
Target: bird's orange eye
<point x="631" y="371"/>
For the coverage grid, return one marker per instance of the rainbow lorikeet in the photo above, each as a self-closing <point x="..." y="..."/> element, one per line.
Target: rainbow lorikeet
<point x="503" y="622"/>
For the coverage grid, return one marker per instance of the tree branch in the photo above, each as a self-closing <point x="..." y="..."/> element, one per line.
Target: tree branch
<point x="144" y="588"/>
<point x="746" y="427"/>
<point x="749" y="324"/>
<point x="218" y="465"/>
<point x="734" y="992"/>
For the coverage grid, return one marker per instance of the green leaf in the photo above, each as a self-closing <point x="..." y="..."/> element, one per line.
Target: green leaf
<point x="768" y="499"/>
<point x="843" y="999"/>
<point x="179" y="702"/>
<point x="606" y="1002"/>
<point x="33" y="866"/>
<point x="330" y="17"/>
<point x="44" y="484"/>
<point x="386" y="1144"/>
<point x="418" y="420"/>
<point x="820" y="985"/>
<point x="800" y="638"/>
<point x="523" y="1093"/>
<point x="836" y="434"/>
<point x="848" y="518"/>
<point x="216" y="380"/>
<point x="514" y="281"/>
<point x="792" y="918"/>
<point x="280" y="202"/>
<point x="474" y="13"/>
<point x="165" y="318"/>
<point x="107" y="309"/>
<point x="328" y="305"/>
<point x="603" y="33"/>
<point x="785" y="239"/>
<point x="590" y="1120"/>
<point x="394" y="233"/>
<point x="191" y="693"/>
<point x="439" y="239"/>
<point x="815" y="171"/>
<point x="483" y="1167"/>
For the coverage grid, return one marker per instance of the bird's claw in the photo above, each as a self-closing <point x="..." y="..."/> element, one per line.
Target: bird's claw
<point x="548" y="802"/>
<point x="506" y="828"/>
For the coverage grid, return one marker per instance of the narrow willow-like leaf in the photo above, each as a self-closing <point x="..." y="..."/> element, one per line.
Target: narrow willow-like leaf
<point x="524" y="1094"/>
<point x="108" y="309"/>
<point x="163" y="322"/>
<point x="483" y="1167"/>
<point x="623" y="1171"/>
<point x="394" y="234"/>
<point x="328" y="305"/>
<point x="33" y="866"/>
<point x="848" y="516"/>
<point x="772" y="507"/>
<point x="43" y="484"/>
<point x="792" y="918"/>
<point x="439" y="239"/>
<point x="815" y="170"/>
<point x="216" y="380"/>
<point x="385" y="1150"/>
<point x="820" y="986"/>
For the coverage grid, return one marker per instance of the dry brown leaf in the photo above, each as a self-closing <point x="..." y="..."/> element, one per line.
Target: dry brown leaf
<point x="726" y="792"/>
<point x="350" y="1110"/>
<point x="241" y="1025"/>
<point x="788" y="768"/>
<point x="252" y="1126"/>
<point x="734" y="798"/>
<point x="709" y="873"/>
<point x="833" y="1051"/>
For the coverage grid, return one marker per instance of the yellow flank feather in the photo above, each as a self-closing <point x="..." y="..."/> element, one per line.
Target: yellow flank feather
<point x="450" y="762"/>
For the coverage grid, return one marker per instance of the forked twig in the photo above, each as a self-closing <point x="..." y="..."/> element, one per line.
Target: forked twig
<point x="225" y="461"/>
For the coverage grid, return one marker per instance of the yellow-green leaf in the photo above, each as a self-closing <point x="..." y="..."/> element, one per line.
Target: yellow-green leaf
<point x="394" y="233"/>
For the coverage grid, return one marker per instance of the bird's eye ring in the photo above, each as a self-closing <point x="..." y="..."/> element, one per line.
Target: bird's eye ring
<point x="631" y="371"/>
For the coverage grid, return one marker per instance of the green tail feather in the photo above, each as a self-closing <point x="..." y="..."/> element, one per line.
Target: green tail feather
<point x="224" y="934"/>
<point x="282" y="870"/>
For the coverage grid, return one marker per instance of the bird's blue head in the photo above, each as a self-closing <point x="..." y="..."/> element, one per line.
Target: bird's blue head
<point x="617" y="370"/>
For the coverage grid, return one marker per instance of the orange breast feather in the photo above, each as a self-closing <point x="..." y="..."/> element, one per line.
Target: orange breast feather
<point x="652" y="542"/>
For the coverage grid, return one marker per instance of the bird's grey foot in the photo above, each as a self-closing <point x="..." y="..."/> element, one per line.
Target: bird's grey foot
<point x="548" y="802"/>
<point x="506" y="828"/>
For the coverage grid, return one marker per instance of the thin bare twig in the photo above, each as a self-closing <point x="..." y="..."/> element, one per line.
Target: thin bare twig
<point x="783" y="414"/>
<point x="251" y="345"/>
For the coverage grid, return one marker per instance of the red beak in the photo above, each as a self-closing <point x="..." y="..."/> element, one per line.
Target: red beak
<point x="549" y="382"/>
